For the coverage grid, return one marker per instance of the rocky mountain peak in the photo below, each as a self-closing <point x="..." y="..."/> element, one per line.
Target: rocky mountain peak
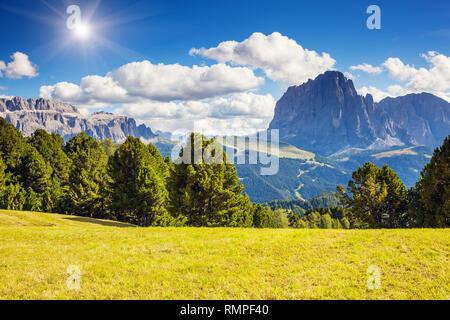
<point x="64" y="119"/>
<point x="20" y="104"/>
<point x="425" y="117"/>
<point x="324" y="115"/>
<point x="327" y="115"/>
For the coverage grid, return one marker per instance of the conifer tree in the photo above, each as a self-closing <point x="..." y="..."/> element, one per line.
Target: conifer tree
<point x="137" y="192"/>
<point x="379" y="198"/>
<point x="51" y="147"/>
<point x="430" y="198"/>
<point x="206" y="190"/>
<point x="12" y="145"/>
<point x="87" y="178"/>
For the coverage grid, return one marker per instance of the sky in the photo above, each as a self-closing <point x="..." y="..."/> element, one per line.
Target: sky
<point x="216" y="66"/>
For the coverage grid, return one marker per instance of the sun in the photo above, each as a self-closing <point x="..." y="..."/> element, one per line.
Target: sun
<point x="82" y="31"/>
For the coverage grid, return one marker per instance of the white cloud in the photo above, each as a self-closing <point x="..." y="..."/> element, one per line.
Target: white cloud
<point x="143" y="80"/>
<point x="376" y="93"/>
<point x="282" y="59"/>
<point x="367" y="68"/>
<point x="209" y="126"/>
<point x="19" y="67"/>
<point x="435" y="79"/>
<point x="3" y="88"/>
<point x="349" y="75"/>
<point x="398" y="70"/>
<point x="242" y="112"/>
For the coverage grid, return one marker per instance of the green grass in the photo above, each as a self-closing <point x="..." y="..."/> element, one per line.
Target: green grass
<point x="120" y="261"/>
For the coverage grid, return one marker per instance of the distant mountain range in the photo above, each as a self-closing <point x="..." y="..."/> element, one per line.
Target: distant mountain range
<point x="326" y="130"/>
<point x="327" y="116"/>
<point x="66" y="120"/>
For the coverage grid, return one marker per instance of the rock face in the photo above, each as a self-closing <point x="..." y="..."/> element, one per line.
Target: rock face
<point x="424" y="117"/>
<point x="64" y="119"/>
<point x="326" y="115"/>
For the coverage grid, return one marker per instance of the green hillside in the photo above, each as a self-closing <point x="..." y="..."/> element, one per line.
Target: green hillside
<point x="303" y="175"/>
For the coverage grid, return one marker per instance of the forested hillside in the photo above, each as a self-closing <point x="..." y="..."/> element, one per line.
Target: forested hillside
<point x="132" y="182"/>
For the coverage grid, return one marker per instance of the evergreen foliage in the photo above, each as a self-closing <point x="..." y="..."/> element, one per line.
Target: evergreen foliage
<point x="137" y="192"/>
<point x="132" y="182"/>
<point x="430" y="198"/>
<point x="375" y="198"/>
<point x="205" y="192"/>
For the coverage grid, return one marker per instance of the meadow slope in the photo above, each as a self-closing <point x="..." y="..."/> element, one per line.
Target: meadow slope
<point x="120" y="261"/>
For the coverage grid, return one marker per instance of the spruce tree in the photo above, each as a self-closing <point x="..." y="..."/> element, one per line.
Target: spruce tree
<point x="206" y="190"/>
<point x="87" y="178"/>
<point x="137" y="192"/>
<point x="12" y="145"/>
<point x="430" y="198"/>
<point x="379" y="198"/>
<point x="51" y="148"/>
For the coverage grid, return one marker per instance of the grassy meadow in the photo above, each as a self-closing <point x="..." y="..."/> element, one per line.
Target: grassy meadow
<point x="120" y="261"/>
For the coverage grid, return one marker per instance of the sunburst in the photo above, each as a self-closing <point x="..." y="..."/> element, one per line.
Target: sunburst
<point x="85" y="36"/>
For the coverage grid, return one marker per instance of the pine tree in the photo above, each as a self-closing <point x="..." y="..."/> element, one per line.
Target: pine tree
<point x="2" y="174"/>
<point x="314" y="219"/>
<point x="87" y="178"/>
<point x="345" y="223"/>
<point x="430" y="198"/>
<point x="326" y="222"/>
<point x="136" y="191"/>
<point x="262" y="217"/>
<point x="32" y="201"/>
<point x="3" y="181"/>
<point x="109" y="146"/>
<point x="379" y="198"/>
<point x="207" y="191"/>
<point x="35" y="173"/>
<point x="51" y="148"/>
<point x="12" y="145"/>
<point x="13" y="197"/>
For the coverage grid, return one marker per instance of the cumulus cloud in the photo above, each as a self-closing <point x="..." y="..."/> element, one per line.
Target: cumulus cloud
<point x="19" y="67"/>
<point x="282" y="59"/>
<point x="157" y="82"/>
<point x="349" y="75"/>
<point x="365" y="67"/>
<point x="378" y="94"/>
<point x="242" y="112"/>
<point x="435" y="79"/>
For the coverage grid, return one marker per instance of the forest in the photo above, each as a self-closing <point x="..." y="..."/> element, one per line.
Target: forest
<point x="132" y="182"/>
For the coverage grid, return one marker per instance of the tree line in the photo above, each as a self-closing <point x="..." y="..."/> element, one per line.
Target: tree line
<point x="131" y="182"/>
<point x="376" y="198"/>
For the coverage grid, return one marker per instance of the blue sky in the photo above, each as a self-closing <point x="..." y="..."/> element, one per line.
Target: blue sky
<point x="163" y="32"/>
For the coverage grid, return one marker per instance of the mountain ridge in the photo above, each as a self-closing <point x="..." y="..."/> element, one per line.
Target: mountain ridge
<point x="327" y="116"/>
<point x="28" y="115"/>
<point x="347" y="130"/>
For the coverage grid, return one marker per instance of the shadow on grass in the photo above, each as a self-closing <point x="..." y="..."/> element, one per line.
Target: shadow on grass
<point x="107" y="223"/>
